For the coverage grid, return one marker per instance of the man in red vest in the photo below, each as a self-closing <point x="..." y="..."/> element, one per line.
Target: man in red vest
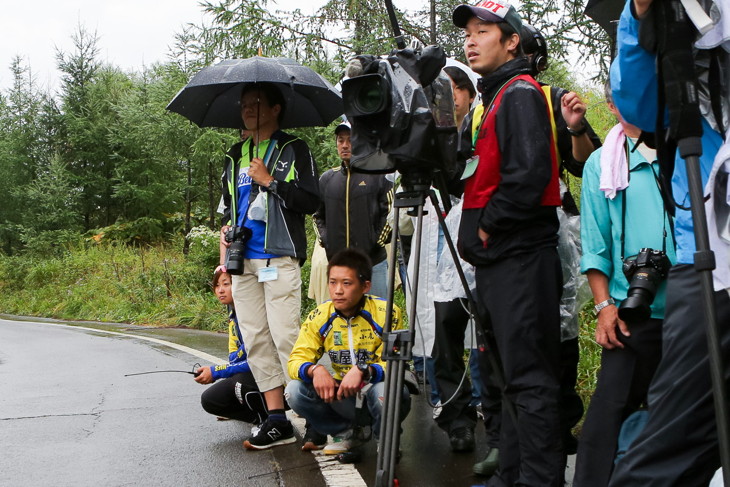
<point x="509" y="233"/>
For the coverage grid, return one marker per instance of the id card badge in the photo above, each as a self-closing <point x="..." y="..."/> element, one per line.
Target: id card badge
<point x="471" y="167"/>
<point x="267" y="274"/>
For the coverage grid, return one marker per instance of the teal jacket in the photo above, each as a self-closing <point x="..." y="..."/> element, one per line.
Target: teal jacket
<point x="600" y="224"/>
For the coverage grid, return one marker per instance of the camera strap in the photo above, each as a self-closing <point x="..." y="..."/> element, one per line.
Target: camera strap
<point x="234" y="212"/>
<point x="236" y="168"/>
<point x="487" y="107"/>
<point x="623" y="202"/>
<point x="267" y="155"/>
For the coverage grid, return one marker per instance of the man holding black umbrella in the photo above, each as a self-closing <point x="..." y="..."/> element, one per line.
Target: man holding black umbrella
<point x="270" y="183"/>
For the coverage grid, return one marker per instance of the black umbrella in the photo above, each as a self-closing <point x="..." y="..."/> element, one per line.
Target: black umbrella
<point x="606" y="13"/>
<point x="213" y="97"/>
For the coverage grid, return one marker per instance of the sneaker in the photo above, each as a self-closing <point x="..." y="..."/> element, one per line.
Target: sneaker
<point x="271" y="434"/>
<point x="437" y="410"/>
<point x="462" y="439"/>
<point x="489" y="465"/>
<point x="313" y="440"/>
<point x="341" y="443"/>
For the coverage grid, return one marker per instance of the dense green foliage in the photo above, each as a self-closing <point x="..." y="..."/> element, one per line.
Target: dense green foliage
<point x="108" y="202"/>
<point x="113" y="282"/>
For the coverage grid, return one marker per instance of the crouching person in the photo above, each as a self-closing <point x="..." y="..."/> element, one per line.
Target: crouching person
<point x="348" y="329"/>
<point x="236" y="395"/>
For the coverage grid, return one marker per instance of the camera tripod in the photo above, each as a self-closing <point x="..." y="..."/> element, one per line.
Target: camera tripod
<point x="398" y="344"/>
<point x="674" y="38"/>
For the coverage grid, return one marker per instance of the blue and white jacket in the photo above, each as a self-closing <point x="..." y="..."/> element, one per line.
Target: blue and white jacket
<point x="237" y="358"/>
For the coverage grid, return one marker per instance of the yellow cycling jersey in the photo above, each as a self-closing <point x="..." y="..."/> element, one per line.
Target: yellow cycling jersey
<point x="347" y="342"/>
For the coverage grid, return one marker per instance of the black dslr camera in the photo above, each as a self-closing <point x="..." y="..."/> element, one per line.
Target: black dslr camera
<point x="237" y="236"/>
<point x="644" y="271"/>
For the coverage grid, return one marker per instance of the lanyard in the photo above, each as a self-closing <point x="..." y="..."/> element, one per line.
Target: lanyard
<point x="236" y="170"/>
<point x="623" y="203"/>
<point x="267" y="156"/>
<point x="475" y="135"/>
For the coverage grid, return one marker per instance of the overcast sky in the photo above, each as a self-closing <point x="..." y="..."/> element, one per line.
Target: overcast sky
<point x="131" y="33"/>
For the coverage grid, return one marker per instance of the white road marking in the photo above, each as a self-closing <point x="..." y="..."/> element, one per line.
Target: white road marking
<point x="196" y="353"/>
<point x="335" y="474"/>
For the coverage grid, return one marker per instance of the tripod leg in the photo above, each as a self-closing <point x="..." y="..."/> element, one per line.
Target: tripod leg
<point x="396" y="354"/>
<point x="485" y="336"/>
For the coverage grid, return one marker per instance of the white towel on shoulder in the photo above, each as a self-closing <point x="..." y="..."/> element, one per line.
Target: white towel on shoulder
<point x="614" y="166"/>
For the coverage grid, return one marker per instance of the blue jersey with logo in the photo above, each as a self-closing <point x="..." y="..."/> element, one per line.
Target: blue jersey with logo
<point x="255" y="245"/>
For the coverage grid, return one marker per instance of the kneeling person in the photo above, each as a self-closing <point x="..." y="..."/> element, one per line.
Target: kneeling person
<point x="348" y="329"/>
<point x="236" y="396"/>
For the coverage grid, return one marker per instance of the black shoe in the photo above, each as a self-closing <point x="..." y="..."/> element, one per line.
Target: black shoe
<point x="313" y="440"/>
<point x="272" y="433"/>
<point x="462" y="439"/>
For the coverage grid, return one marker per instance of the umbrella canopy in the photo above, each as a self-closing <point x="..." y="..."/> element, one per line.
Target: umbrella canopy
<point x="605" y="13"/>
<point x="213" y="97"/>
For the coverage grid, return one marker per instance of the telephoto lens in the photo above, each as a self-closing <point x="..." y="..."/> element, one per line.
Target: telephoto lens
<point x="235" y="258"/>
<point x="238" y="236"/>
<point x="645" y="272"/>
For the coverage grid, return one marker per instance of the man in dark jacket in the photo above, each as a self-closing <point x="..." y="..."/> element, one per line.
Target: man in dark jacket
<point x="269" y="184"/>
<point x="354" y="212"/>
<point x="575" y="141"/>
<point x="509" y="232"/>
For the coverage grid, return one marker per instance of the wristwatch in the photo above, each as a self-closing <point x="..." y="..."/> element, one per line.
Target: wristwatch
<point x="272" y="186"/>
<point x="582" y="130"/>
<point x="603" y="304"/>
<point x="365" y="369"/>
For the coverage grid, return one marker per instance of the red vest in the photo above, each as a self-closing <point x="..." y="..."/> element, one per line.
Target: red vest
<point x="480" y="187"/>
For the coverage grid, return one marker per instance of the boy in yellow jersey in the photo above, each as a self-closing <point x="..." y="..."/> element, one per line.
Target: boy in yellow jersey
<point x="348" y="329"/>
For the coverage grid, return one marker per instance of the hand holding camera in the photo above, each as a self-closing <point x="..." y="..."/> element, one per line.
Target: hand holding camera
<point x="645" y="271"/>
<point x="607" y="324"/>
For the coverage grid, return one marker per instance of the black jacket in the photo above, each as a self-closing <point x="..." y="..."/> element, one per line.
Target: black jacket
<point x="565" y="146"/>
<point x="568" y="164"/>
<point x="354" y="212"/>
<point x="514" y="218"/>
<point x="297" y="194"/>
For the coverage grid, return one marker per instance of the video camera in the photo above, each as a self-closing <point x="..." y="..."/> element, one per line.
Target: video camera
<point x="401" y="109"/>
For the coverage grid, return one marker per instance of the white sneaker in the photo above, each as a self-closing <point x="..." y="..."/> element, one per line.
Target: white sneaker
<point x="437" y="410"/>
<point x="340" y="443"/>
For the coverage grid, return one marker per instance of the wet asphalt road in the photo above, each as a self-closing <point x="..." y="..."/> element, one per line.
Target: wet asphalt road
<point x="69" y="417"/>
